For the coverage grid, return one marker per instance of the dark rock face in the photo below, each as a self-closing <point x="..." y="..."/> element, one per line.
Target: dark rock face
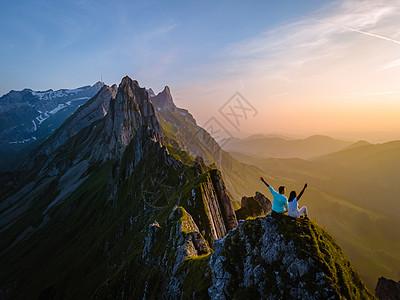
<point x="225" y="203"/>
<point x="130" y="110"/>
<point x="387" y="289"/>
<point x="255" y="206"/>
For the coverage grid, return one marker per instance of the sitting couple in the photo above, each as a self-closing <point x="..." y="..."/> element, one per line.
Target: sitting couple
<point x="280" y="202"/>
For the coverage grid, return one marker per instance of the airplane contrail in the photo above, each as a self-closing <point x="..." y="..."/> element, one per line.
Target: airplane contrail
<point x="360" y="31"/>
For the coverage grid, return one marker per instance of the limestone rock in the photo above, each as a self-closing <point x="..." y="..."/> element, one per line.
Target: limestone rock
<point x="217" y="201"/>
<point x="281" y="258"/>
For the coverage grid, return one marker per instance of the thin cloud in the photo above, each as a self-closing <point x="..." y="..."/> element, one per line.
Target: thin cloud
<point x="360" y="31"/>
<point x="304" y="67"/>
<point x="309" y="44"/>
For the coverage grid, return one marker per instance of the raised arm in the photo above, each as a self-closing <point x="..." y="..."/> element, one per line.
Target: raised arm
<point x="262" y="179"/>
<point x="301" y="193"/>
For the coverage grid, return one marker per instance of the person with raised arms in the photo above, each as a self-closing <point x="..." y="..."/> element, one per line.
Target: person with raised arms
<point x="294" y="210"/>
<point x="279" y="202"/>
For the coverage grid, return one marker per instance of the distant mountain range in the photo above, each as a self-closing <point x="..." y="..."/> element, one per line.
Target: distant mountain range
<point x="353" y="192"/>
<point x="283" y="147"/>
<point x="28" y="117"/>
<point x="113" y="205"/>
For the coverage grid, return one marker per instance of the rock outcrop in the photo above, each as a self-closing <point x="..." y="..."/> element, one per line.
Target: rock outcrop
<point x="217" y="202"/>
<point x="163" y="100"/>
<point x="387" y="289"/>
<point x="282" y="258"/>
<point x="255" y="206"/>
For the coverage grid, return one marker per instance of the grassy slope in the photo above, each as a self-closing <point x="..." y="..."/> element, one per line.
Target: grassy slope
<point x="91" y="246"/>
<point x="176" y="128"/>
<point x="351" y="193"/>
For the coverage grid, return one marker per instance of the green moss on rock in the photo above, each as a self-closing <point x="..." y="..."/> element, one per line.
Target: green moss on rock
<point x="282" y="257"/>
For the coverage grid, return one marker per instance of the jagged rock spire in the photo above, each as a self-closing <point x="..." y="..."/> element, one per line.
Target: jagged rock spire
<point x="130" y="110"/>
<point x="164" y="100"/>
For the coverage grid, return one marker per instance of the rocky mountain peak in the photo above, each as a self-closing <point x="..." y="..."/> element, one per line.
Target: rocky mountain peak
<point x="151" y="92"/>
<point x="133" y="105"/>
<point x="102" y="128"/>
<point x="166" y="90"/>
<point x="130" y="111"/>
<point x="99" y="84"/>
<point x="164" y="100"/>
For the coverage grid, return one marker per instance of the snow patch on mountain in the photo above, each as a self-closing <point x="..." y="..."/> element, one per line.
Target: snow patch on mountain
<point x="50" y="94"/>
<point x="76" y="99"/>
<point x="45" y="115"/>
<point x="58" y="108"/>
<point x="42" y="117"/>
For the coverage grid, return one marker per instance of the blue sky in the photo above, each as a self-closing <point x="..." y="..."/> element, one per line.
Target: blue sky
<point x="64" y="44"/>
<point x="308" y="67"/>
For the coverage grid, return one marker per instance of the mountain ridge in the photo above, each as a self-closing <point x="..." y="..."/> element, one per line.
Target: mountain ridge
<point x="116" y="211"/>
<point x="280" y="147"/>
<point x="126" y="182"/>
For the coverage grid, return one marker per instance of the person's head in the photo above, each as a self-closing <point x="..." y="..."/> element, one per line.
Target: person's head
<point x="292" y="196"/>
<point x="281" y="189"/>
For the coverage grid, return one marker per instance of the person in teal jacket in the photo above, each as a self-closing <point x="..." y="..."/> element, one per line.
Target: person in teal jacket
<point x="279" y="202"/>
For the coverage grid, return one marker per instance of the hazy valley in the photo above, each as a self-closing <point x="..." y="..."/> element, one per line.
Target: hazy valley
<point x="353" y="193"/>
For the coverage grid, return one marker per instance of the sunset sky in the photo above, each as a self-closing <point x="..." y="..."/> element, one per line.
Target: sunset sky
<point x="305" y="67"/>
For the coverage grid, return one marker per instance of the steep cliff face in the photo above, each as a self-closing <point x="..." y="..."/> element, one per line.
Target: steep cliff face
<point x="131" y="110"/>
